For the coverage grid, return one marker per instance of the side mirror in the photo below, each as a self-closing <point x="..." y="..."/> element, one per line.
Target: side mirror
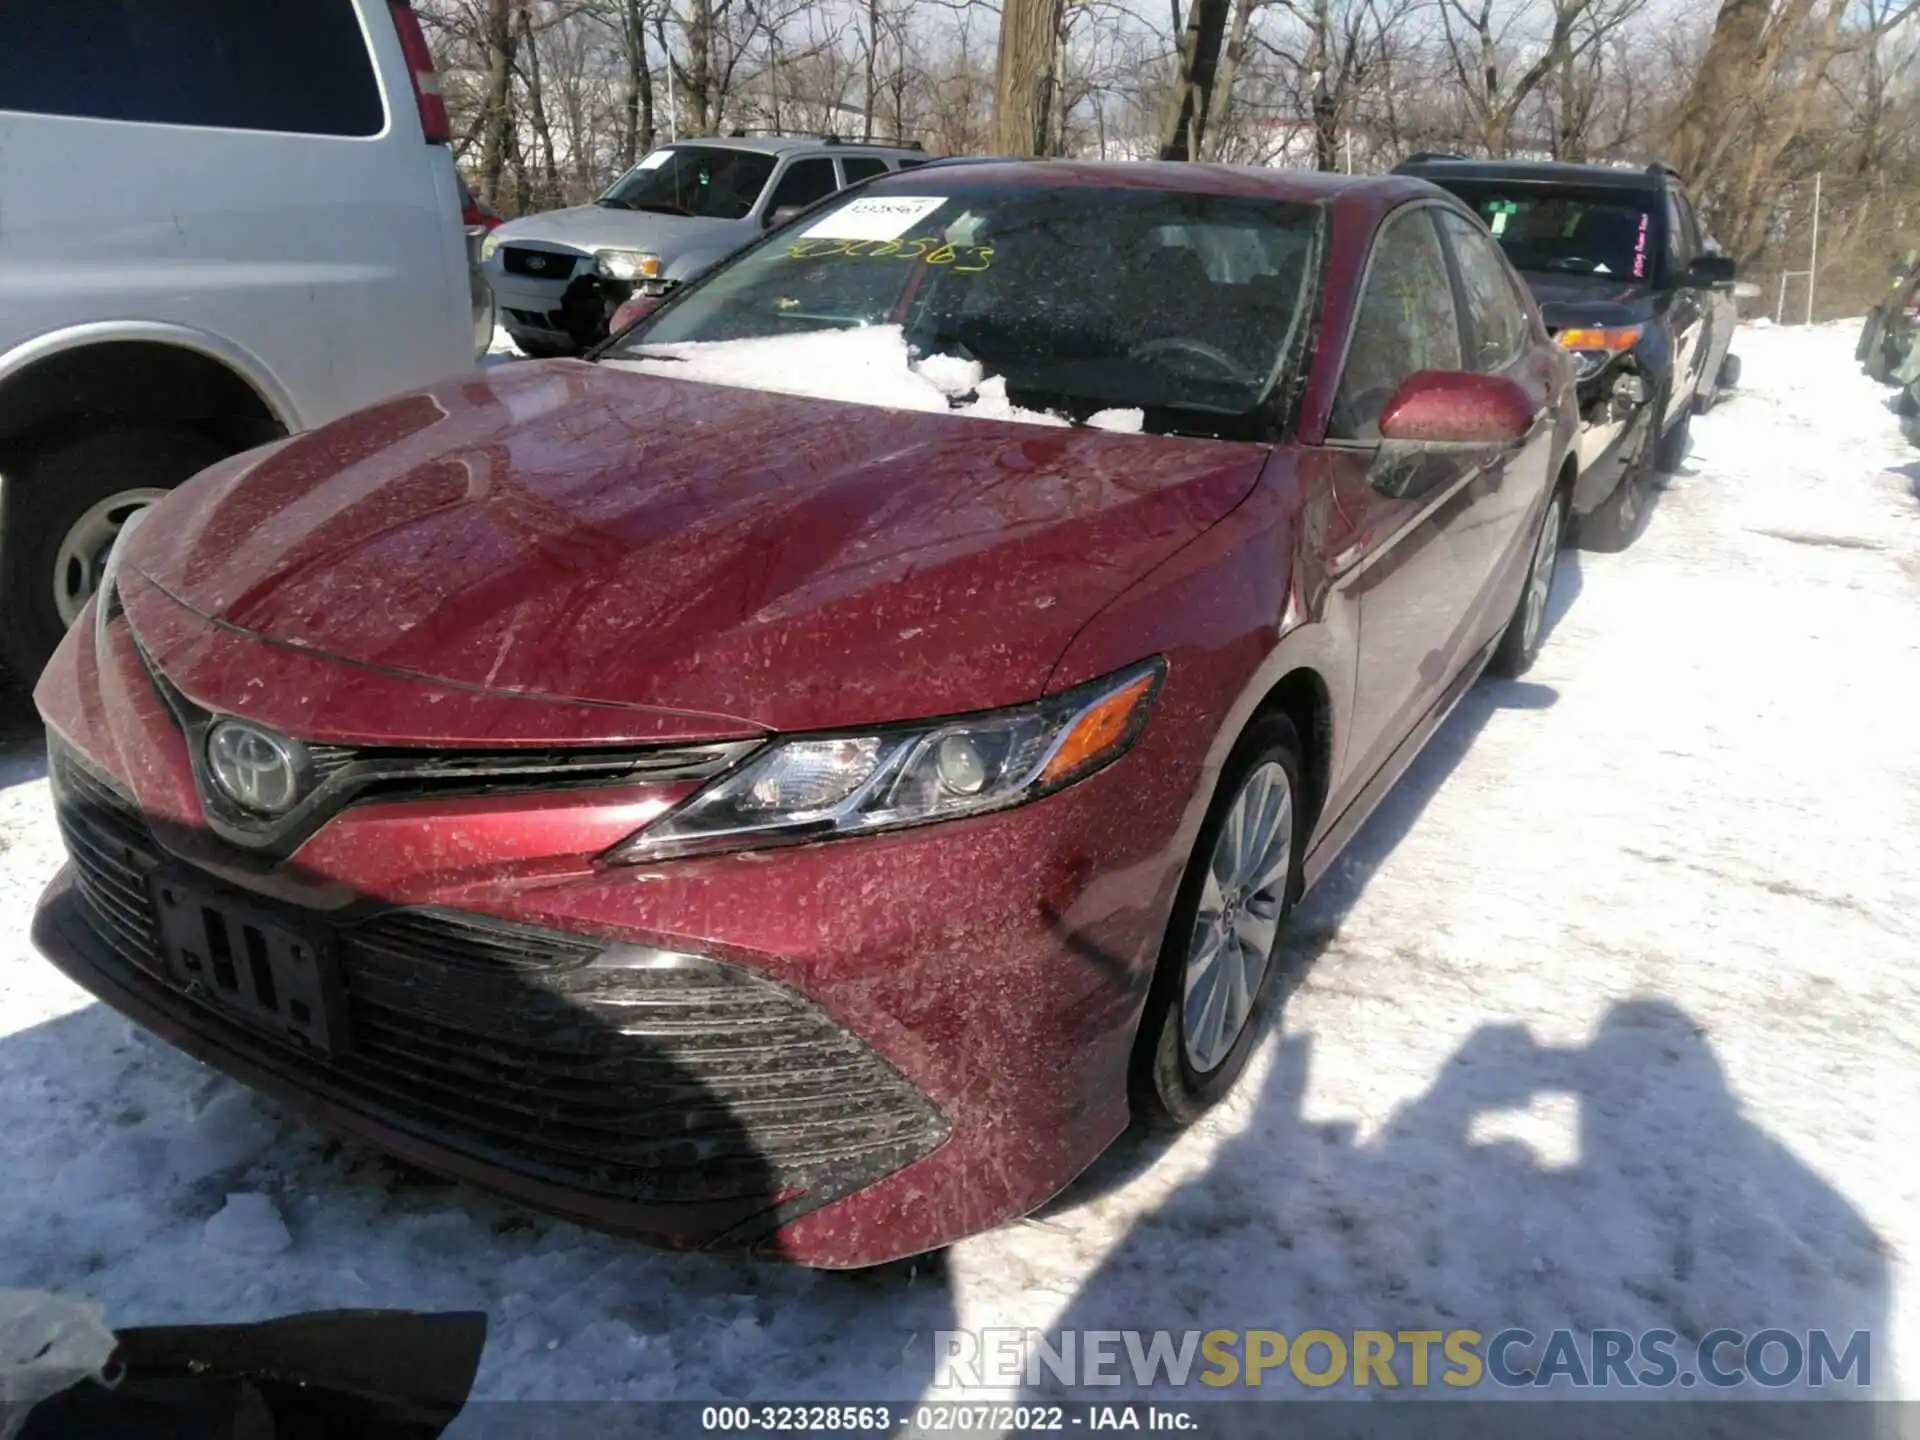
<point x="1717" y="271"/>
<point x="1451" y="407"/>
<point x="776" y="218"/>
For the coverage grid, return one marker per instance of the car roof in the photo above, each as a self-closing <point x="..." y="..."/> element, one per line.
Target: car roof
<point x="782" y="144"/>
<point x="1246" y="181"/>
<point x="1537" y="172"/>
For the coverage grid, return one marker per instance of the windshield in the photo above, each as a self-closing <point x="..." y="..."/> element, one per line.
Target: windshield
<point x="1066" y="303"/>
<point x="705" y="180"/>
<point x="1570" y="231"/>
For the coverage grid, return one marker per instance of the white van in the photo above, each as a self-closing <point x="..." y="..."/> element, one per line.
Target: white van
<point x="220" y="221"/>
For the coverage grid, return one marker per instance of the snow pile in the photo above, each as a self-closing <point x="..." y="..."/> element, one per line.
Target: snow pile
<point x="866" y="365"/>
<point x="247" y="1225"/>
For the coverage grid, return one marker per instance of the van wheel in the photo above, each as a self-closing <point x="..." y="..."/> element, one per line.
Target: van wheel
<point x="1223" y="938"/>
<point x="64" y="509"/>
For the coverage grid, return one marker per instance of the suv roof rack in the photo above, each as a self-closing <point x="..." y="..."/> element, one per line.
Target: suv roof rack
<point x="1421" y="157"/>
<point x="825" y="137"/>
<point x="1659" y="167"/>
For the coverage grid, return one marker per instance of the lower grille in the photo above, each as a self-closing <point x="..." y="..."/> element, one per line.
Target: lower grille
<point x="667" y="1079"/>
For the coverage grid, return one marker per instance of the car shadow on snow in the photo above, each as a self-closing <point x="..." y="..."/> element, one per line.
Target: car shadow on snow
<point x="1669" y="1211"/>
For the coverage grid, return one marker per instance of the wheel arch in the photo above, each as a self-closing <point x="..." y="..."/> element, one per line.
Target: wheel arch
<point x="1303" y="697"/>
<point x="139" y="371"/>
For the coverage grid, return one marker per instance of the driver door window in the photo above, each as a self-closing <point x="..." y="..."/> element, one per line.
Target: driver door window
<point x="805" y="182"/>
<point x="1407" y="323"/>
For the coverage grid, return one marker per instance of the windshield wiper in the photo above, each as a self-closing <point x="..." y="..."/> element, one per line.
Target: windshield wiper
<point x="611" y="203"/>
<point x="658" y="207"/>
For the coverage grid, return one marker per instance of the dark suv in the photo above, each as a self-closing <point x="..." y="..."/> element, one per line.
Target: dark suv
<point x="1626" y="282"/>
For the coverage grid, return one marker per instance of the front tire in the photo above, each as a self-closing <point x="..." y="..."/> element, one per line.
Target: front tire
<point x="1223" y="939"/>
<point x="536" y="347"/>
<point x="1671" y="448"/>
<point x="1620" y="519"/>
<point x="63" y="512"/>
<point x="1527" y="628"/>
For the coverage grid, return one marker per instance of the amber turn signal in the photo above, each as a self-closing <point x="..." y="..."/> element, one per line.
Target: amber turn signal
<point x="1102" y="728"/>
<point x="1613" y="340"/>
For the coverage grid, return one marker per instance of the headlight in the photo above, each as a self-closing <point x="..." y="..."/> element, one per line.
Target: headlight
<point x="489" y="245"/>
<point x="626" y="264"/>
<point x="1592" y="349"/>
<point x="819" y="787"/>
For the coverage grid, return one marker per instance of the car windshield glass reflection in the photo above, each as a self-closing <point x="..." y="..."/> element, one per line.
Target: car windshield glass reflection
<point x="1600" y="232"/>
<point x="1078" y="300"/>
<point x="700" y="180"/>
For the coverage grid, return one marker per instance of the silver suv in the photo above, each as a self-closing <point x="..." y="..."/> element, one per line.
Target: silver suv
<point x="220" y="222"/>
<point x="559" y="276"/>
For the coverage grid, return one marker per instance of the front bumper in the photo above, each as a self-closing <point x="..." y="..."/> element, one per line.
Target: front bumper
<point x="880" y="1045"/>
<point x="669" y="1095"/>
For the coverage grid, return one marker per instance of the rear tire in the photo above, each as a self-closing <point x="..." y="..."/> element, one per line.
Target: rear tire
<point x="1233" y="904"/>
<point x="63" y="510"/>
<point x="1871" y="333"/>
<point x="1527" y="628"/>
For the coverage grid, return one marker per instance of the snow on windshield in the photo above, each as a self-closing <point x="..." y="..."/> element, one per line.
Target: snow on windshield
<point x="864" y="365"/>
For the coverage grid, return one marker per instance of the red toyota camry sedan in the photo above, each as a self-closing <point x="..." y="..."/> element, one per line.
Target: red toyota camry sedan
<point x="805" y="777"/>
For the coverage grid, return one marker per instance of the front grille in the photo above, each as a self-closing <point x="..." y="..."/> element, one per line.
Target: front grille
<point x="653" y="1082"/>
<point x="343" y="775"/>
<point x="537" y="264"/>
<point x="113" y="856"/>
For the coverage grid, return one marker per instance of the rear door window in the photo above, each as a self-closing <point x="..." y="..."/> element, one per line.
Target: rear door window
<point x="224" y="64"/>
<point x="862" y="167"/>
<point x="1496" y="322"/>
<point x="1407" y="323"/>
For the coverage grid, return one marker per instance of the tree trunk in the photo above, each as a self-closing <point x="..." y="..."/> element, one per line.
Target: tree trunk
<point x="1719" y="83"/>
<point x="637" y="125"/>
<point x="1183" y="130"/>
<point x="549" y="187"/>
<point x="1236" y="51"/>
<point x="1023" y="82"/>
<point x="873" y="68"/>
<point x="497" y="129"/>
<point x="696" y="89"/>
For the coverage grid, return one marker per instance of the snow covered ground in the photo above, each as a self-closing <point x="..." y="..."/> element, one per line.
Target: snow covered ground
<point x="1609" y="1019"/>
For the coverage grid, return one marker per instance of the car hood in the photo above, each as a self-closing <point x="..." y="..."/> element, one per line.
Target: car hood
<point x="577" y="532"/>
<point x="600" y="227"/>
<point x="1588" y="300"/>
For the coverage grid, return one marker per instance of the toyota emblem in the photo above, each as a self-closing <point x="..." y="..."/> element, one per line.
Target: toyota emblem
<point x="536" y="262"/>
<point x="255" y="768"/>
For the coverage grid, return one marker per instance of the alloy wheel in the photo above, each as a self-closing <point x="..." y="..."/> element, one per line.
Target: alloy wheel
<point x="1238" y="918"/>
<point x="1546" y="555"/>
<point x="83" y="551"/>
